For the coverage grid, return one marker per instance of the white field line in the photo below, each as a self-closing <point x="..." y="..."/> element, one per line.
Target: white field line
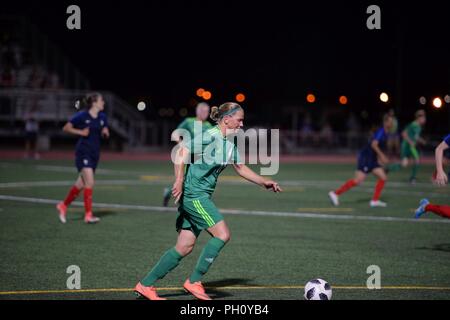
<point x="234" y="212"/>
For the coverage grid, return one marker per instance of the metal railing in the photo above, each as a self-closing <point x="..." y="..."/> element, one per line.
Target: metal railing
<point x="57" y="106"/>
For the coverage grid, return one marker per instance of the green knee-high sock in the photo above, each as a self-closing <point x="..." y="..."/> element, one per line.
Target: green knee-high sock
<point x="209" y="253"/>
<point x="170" y="259"/>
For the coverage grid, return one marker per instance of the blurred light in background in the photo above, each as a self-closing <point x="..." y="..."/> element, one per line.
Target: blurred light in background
<point x="240" y="97"/>
<point x="206" y="95"/>
<point x="437" y="103"/>
<point x="310" y="98"/>
<point x="200" y="92"/>
<point x="384" y="97"/>
<point x="343" y="100"/>
<point x="170" y="112"/>
<point x="447" y="98"/>
<point x="141" y="106"/>
<point x="183" y="112"/>
<point x="422" y="100"/>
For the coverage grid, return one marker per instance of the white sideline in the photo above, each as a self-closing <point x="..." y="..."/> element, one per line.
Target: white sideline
<point x="234" y="212"/>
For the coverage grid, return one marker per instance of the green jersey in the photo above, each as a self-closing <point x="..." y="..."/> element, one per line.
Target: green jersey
<point x="189" y="125"/>
<point x="211" y="153"/>
<point x="413" y="131"/>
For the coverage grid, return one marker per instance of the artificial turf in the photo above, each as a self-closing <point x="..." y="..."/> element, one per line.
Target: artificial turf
<point x="270" y="256"/>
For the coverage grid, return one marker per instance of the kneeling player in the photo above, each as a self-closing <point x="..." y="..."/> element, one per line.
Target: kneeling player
<point x="441" y="179"/>
<point x="368" y="162"/>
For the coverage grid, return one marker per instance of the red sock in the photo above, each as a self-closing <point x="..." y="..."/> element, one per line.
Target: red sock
<point x="378" y="188"/>
<point x="88" y="200"/>
<point x="345" y="187"/>
<point x="443" y="211"/>
<point x="72" y="195"/>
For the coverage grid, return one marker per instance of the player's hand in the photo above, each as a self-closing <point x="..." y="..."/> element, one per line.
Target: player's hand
<point x="84" y="132"/>
<point x="269" y="184"/>
<point x="177" y="190"/>
<point x="383" y="159"/>
<point x="105" y="133"/>
<point x="441" y="178"/>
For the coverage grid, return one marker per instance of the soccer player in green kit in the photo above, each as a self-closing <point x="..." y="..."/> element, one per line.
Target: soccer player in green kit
<point x="193" y="188"/>
<point x="201" y="114"/>
<point x="411" y="136"/>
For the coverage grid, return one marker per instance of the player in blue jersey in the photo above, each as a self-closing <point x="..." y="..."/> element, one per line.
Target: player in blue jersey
<point x="90" y="125"/>
<point x="371" y="159"/>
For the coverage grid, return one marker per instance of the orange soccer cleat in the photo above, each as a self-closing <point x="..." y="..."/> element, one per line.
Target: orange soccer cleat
<point x="62" y="209"/>
<point x="90" y="218"/>
<point x="147" y="292"/>
<point x="196" y="289"/>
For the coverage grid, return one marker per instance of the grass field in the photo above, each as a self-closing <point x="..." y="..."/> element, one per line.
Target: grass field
<point x="279" y="242"/>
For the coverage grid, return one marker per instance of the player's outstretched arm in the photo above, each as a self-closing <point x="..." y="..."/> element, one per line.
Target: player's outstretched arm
<point x="441" y="177"/>
<point x="69" y="128"/>
<point x="248" y="174"/>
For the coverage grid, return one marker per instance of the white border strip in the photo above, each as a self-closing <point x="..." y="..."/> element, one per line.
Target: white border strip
<point x="235" y="212"/>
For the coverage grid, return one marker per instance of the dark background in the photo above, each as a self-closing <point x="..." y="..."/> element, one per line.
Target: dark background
<point x="273" y="51"/>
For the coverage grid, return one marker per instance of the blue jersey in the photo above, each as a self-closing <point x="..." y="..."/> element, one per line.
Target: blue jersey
<point x="90" y="144"/>
<point x="447" y="151"/>
<point x="447" y="140"/>
<point x="381" y="136"/>
<point x="367" y="159"/>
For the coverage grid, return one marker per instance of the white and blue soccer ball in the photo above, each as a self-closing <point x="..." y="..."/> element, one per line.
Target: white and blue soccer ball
<point x="318" y="289"/>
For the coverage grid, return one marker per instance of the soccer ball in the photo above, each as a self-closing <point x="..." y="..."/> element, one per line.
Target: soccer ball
<point x="318" y="289"/>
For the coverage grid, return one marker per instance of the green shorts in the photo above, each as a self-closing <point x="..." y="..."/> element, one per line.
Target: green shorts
<point x="409" y="152"/>
<point x="197" y="215"/>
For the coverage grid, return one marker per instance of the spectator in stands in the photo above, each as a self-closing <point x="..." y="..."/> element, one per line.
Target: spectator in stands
<point x="52" y="82"/>
<point x="306" y="131"/>
<point x="326" y="135"/>
<point x="7" y="77"/>
<point x="31" y="133"/>
<point x="353" y="131"/>
<point x="37" y="78"/>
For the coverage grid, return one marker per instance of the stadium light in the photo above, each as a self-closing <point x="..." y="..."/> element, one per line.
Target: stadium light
<point x="310" y="98"/>
<point x="206" y="95"/>
<point x="423" y="100"/>
<point x="384" y="97"/>
<point x="437" y="103"/>
<point x="240" y="97"/>
<point x="200" y="92"/>
<point x="447" y="98"/>
<point x="141" y="106"/>
<point x="343" y="100"/>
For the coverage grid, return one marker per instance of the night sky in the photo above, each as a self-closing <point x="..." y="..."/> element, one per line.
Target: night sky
<point x="275" y="52"/>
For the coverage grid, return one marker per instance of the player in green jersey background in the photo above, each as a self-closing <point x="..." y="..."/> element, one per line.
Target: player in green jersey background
<point x="201" y="114"/>
<point x="195" y="181"/>
<point x="411" y="137"/>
